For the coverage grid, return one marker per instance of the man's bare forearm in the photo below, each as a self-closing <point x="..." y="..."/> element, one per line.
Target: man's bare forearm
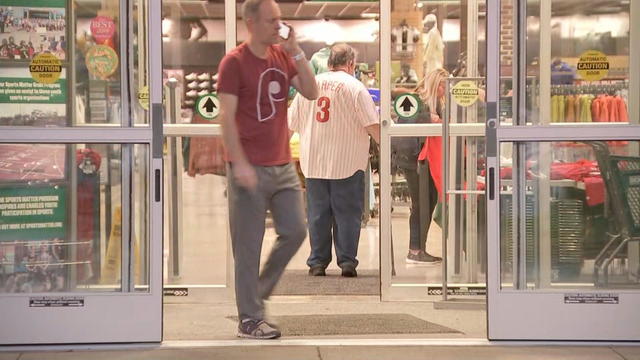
<point x="308" y="87"/>
<point x="232" y="139"/>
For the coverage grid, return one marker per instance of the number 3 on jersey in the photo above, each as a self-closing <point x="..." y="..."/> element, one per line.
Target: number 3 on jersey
<point x="324" y="103"/>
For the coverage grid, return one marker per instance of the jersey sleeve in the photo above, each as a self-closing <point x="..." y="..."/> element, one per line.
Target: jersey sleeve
<point x="366" y="108"/>
<point x="228" y="79"/>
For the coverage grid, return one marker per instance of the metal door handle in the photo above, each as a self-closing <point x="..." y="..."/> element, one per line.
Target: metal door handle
<point x="158" y="188"/>
<point x="492" y="180"/>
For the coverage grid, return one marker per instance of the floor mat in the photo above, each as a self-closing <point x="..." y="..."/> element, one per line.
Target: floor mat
<point x="355" y="324"/>
<point x="298" y="282"/>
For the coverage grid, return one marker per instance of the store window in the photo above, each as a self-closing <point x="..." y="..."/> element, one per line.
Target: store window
<point x="576" y="63"/>
<point x="62" y="204"/>
<point x="62" y="217"/>
<point x="581" y="216"/>
<point x="62" y="61"/>
<point x="38" y="36"/>
<point x="193" y="44"/>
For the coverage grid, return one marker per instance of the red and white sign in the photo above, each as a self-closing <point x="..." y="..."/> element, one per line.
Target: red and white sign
<point x="102" y="28"/>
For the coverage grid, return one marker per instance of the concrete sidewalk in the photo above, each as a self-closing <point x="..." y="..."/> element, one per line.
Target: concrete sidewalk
<point x="252" y="350"/>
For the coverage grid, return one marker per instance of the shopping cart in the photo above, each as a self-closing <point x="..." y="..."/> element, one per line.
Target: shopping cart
<point x="621" y="175"/>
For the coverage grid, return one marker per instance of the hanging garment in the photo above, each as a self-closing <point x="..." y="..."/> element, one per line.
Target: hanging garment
<point x="621" y="106"/>
<point x="596" y="111"/>
<point x="319" y="61"/>
<point x="557" y="108"/>
<point x="569" y="110"/>
<point x="576" y="107"/>
<point x="433" y="55"/>
<point x="554" y="108"/>
<point x="585" y="108"/>
<point x="406" y="38"/>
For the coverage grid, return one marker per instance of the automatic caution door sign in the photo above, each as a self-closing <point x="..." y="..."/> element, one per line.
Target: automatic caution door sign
<point x="208" y="106"/>
<point x="593" y="65"/>
<point x="143" y="97"/>
<point x="407" y="106"/>
<point x="465" y="93"/>
<point x="45" y="68"/>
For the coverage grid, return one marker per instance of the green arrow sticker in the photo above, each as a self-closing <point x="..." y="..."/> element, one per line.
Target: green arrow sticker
<point x="208" y="106"/>
<point x="407" y="106"/>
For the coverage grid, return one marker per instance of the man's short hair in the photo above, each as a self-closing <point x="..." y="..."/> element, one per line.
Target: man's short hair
<point x="341" y="54"/>
<point x="251" y="9"/>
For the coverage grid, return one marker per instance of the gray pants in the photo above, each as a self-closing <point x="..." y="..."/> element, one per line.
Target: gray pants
<point x="278" y="191"/>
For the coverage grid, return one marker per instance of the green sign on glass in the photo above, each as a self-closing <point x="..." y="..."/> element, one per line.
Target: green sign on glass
<point x="35" y="3"/>
<point x="33" y="213"/>
<point x="27" y="91"/>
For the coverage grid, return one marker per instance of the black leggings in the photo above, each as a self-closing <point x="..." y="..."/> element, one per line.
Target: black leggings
<point x="417" y="231"/>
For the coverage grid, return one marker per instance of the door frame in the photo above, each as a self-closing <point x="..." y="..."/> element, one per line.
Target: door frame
<point x="547" y="317"/>
<point x="126" y="316"/>
<point x="390" y="290"/>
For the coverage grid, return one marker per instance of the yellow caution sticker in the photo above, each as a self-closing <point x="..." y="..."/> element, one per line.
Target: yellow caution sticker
<point x="593" y="65"/>
<point x="45" y="68"/>
<point x="102" y="61"/>
<point x="143" y="97"/>
<point x="465" y="93"/>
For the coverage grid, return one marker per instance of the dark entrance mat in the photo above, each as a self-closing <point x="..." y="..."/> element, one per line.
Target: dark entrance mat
<point x="298" y="282"/>
<point x="355" y="324"/>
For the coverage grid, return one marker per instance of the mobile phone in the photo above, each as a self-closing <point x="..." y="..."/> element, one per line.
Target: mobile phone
<point x="284" y="30"/>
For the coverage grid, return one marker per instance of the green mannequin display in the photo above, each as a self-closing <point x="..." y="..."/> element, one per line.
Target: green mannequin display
<point x="319" y="61"/>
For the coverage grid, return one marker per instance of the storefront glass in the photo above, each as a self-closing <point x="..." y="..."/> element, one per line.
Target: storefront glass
<point x="437" y="90"/>
<point x="62" y="209"/>
<point x="573" y="63"/>
<point x="570" y="74"/>
<point x="196" y="226"/>
<point x="54" y="76"/>
<point x="591" y="196"/>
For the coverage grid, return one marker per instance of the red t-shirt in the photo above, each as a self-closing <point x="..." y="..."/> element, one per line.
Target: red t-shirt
<point x="262" y="87"/>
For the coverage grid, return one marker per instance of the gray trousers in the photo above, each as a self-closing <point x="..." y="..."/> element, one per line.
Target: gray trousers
<point x="278" y="191"/>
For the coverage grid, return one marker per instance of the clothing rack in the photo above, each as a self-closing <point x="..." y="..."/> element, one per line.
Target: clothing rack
<point x="604" y="101"/>
<point x="590" y="88"/>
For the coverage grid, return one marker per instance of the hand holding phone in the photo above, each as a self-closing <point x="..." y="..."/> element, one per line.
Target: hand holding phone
<point x="284" y="31"/>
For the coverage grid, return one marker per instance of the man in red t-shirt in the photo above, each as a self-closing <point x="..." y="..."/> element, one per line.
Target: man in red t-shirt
<point x="253" y="84"/>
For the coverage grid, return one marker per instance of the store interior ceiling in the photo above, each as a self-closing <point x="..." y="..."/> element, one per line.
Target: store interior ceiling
<point x="298" y="9"/>
<point x="290" y="9"/>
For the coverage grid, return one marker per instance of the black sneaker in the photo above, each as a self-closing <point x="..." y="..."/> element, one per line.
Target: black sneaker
<point x="317" y="271"/>
<point x="349" y="271"/>
<point x="257" y="329"/>
<point x="422" y="258"/>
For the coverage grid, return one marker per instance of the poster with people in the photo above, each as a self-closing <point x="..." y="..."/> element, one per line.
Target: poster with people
<point x="30" y="267"/>
<point x="29" y="28"/>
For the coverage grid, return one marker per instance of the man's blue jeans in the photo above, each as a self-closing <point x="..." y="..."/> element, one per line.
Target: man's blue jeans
<point x="334" y="211"/>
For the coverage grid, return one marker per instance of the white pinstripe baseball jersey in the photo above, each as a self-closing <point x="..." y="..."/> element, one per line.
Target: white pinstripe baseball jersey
<point x="334" y="143"/>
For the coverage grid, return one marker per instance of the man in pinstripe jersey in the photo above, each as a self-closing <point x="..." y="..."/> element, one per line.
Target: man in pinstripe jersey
<point x="334" y="148"/>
